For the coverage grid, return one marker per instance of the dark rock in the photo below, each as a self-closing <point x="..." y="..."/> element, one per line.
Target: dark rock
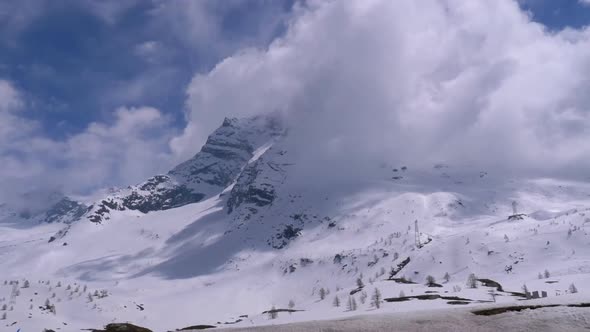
<point x="280" y="310"/>
<point x="65" y="210"/>
<point x="398" y="268"/>
<point x="491" y="283"/>
<point x="123" y="327"/>
<point x="197" y="327"/>
<point x="305" y="261"/>
<point x="220" y="161"/>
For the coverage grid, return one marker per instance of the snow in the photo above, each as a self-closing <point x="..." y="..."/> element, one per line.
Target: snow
<point x="200" y="264"/>
<point x="445" y="320"/>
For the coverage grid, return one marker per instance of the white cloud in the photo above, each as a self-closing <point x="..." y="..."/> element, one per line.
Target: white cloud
<point x="9" y="97"/>
<point x="584" y="2"/>
<point x="360" y="82"/>
<point x="465" y="82"/>
<point x="149" y="50"/>
<point x="203" y="26"/>
<point x="128" y="148"/>
<point x="108" y="10"/>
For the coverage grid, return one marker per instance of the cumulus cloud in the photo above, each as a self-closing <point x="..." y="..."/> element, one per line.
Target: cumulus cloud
<point x="128" y="147"/>
<point x="464" y="82"/>
<point x="219" y="27"/>
<point x="108" y="10"/>
<point x="468" y="83"/>
<point x="133" y="143"/>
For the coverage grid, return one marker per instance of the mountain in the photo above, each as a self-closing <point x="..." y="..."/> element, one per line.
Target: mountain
<point x="41" y="207"/>
<point x="231" y="233"/>
<point x="221" y="159"/>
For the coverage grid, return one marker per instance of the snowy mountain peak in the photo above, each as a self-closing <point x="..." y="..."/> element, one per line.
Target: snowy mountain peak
<point x="219" y="162"/>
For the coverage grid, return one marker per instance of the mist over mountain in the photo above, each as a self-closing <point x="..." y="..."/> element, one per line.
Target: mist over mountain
<point x="426" y="161"/>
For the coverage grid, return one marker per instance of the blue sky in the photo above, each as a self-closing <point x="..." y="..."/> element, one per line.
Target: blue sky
<point x="558" y="14"/>
<point x="76" y="64"/>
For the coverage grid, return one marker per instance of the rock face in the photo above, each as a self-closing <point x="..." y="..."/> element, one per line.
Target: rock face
<point x="225" y="154"/>
<point x="123" y="327"/>
<point x="65" y="211"/>
<point x="257" y="185"/>
<point x="240" y="152"/>
<point x="53" y="208"/>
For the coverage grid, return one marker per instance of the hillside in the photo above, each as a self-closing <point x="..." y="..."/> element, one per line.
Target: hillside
<point x="231" y="233"/>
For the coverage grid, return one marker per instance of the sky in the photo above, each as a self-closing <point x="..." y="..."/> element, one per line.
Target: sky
<point x="106" y="93"/>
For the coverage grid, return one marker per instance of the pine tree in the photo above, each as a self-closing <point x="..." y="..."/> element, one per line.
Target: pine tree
<point x="359" y="282"/>
<point x="336" y="302"/>
<point x="506" y="238"/>
<point x="540" y="276"/>
<point x="573" y="289"/>
<point x="472" y="281"/>
<point x="4" y="307"/>
<point x="430" y="281"/>
<point x="376" y="299"/>
<point x="89" y="297"/>
<point x="351" y="304"/>
<point x="291" y="304"/>
<point x="546" y="274"/>
<point x="322" y="293"/>
<point x="363" y="297"/>
<point x="26" y="284"/>
<point x="402" y="294"/>
<point x="4" y="316"/>
<point x="273" y="314"/>
<point x="447" y="277"/>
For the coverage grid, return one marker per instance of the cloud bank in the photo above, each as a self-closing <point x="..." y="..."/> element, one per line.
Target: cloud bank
<point x="129" y="147"/>
<point x="463" y="82"/>
<point x="468" y="83"/>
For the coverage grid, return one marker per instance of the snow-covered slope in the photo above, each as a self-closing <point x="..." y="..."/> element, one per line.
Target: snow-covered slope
<point x="230" y="233"/>
<point x="216" y="166"/>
